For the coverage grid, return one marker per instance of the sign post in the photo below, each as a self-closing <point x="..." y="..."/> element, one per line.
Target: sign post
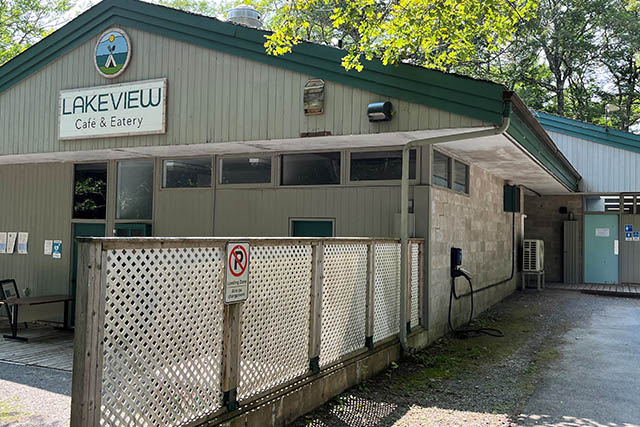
<point x="236" y="287"/>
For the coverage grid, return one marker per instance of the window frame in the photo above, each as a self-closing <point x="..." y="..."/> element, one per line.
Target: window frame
<point x="348" y="180"/>
<point x="451" y="173"/>
<point x="280" y="168"/>
<point x="73" y="194"/>
<point x="332" y="220"/>
<point x="275" y="159"/>
<point x="449" y="170"/>
<point x="161" y="186"/>
<point x="467" y="183"/>
<point x="153" y="191"/>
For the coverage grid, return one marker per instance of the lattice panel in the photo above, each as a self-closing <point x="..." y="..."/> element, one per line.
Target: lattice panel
<point x="415" y="277"/>
<point x="275" y="318"/>
<point x="162" y="337"/>
<point x="344" y="291"/>
<point x="386" y="305"/>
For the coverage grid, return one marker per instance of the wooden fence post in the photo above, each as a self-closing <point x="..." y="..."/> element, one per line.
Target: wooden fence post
<point x="230" y="351"/>
<point x="88" y="346"/>
<point x="371" y="285"/>
<point x="315" y="315"/>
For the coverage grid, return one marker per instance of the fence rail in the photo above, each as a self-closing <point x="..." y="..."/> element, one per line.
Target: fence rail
<point x="156" y="345"/>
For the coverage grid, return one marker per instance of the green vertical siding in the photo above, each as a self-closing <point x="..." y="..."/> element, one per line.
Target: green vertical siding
<point x="358" y="211"/>
<point x="37" y="199"/>
<point x="212" y="97"/>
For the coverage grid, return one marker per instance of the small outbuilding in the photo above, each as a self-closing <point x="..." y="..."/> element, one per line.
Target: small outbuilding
<point x="592" y="236"/>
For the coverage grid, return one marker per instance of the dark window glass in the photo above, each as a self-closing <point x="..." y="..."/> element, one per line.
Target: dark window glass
<point x="90" y="191"/>
<point x="186" y="173"/>
<point x="311" y="169"/>
<point x="245" y="170"/>
<point x="134" y="196"/>
<point x="440" y="169"/>
<point x="380" y="165"/>
<point x="461" y="181"/>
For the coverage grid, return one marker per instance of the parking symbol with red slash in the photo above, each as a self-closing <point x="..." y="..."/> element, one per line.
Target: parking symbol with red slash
<point x="237" y="278"/>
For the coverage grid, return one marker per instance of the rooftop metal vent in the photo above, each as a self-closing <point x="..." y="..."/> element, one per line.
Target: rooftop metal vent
<point x="246" y="15"/>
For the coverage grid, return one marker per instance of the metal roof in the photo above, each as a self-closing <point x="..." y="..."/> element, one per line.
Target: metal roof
<point x="588" y="131"/>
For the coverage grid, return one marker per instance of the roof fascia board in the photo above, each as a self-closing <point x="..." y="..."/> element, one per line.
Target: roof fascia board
<point x="460" y="95"/>
<point x="519" y="130"/>
<point x="590" y="135"/>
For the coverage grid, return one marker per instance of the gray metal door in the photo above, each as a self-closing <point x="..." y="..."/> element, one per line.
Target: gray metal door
<point x="571" y="252"/>
<point x="629" y="249"/>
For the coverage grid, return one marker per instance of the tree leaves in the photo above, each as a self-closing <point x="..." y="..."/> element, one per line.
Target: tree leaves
<point x="433" y="33"/>
<point x="24" y="22"/>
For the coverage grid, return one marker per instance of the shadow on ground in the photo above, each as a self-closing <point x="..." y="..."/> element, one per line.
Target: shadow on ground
<point x="476" y="381"/>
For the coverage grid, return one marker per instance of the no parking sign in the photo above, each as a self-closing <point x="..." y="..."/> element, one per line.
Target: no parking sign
<point x="237" y="265"/>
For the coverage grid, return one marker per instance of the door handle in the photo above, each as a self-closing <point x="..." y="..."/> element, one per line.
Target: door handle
<point x="615" y="247"/>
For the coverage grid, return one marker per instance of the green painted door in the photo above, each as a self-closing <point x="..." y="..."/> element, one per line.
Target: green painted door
<point x="600" y="248"/>
<point x="308" y="228"/>
<point x="133" y="230"/>
<point x="81" y="230"/>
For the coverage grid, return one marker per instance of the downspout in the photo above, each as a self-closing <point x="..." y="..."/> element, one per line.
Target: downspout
<point x="404" y="201"/>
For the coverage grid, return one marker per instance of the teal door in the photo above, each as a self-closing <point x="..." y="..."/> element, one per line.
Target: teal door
<point x="601" y="248"/>
<point x="81" y="230"/>
<point x="311" y="228"/>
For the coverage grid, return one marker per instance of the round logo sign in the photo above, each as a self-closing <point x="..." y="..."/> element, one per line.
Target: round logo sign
<point x="113" y="52"/>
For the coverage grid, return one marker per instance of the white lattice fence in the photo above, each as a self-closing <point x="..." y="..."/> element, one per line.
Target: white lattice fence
<point x="162" y="336"/>
<point x="344" y="302"/>
<point x="386" y="305"/>
<point x="415" y="283"/>
<point x="152" y="325"/>
<point x="275" y="318"/>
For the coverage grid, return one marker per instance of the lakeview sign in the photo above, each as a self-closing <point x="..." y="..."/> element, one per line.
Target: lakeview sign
<point x="136" y="108"/>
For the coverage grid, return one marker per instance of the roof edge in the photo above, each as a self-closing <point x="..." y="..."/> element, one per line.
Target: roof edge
<point x="478" y="99"/>
<point x="530" y="134"/>
<point x="588" y="131"/>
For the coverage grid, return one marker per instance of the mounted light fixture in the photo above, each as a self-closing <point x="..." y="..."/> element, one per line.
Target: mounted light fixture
<point x="379" y="111"/>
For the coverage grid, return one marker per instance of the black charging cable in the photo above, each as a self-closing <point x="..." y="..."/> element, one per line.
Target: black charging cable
<point x="468" y="332"/>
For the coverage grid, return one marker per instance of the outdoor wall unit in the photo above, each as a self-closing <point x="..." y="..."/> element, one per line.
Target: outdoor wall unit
<point x="533" y="255"/>
<point x="511" y="198"/>
<point x="380" y="111"/>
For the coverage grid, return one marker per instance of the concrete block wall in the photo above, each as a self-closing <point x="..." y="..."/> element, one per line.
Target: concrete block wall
<point x="478" y="224"/>
<point x="544" y="221"/>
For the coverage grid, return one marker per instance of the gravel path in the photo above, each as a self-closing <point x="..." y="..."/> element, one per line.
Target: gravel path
<point x="32" y="396"/>
<point x="481" y="381"/>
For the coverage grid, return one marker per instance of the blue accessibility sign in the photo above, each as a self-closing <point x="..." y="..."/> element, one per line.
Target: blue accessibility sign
<point x="628" y="236"/>
<point x="636" y="235"/>
<point x="628" y="228"/>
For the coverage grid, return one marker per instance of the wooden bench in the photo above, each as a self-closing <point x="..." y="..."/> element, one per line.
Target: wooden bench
<point x="13" y="303"/>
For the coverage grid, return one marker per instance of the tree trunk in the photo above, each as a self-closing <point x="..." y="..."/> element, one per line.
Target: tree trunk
<point x="560" y="100"/>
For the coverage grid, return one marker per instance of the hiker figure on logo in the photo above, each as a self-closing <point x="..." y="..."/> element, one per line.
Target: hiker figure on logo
<point x="113" y="52"/>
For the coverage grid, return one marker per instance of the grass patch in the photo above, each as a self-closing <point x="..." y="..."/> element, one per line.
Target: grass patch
<point x="11" y="410"/>
<point x="451" y="357"/>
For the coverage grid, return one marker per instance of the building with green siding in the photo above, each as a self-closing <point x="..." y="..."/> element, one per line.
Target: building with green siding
<point x="191" y="129"/>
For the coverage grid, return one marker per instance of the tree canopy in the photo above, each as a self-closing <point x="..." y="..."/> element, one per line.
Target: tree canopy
<point x="24" y="22"/>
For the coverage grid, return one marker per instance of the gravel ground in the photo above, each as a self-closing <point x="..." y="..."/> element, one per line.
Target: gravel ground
<point x="482" y="381"/>
<point x="32" y="396"/>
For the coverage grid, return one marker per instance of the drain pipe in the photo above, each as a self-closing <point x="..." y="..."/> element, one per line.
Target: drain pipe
<point x="404" y="201"/>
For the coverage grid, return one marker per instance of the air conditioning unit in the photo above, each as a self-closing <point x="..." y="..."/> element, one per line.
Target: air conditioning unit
<point x="533" y="255"/>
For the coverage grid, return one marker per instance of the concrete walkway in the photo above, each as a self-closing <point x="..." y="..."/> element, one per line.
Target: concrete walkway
<point x="33" y="396"/>
<point x="596" y="380"/>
